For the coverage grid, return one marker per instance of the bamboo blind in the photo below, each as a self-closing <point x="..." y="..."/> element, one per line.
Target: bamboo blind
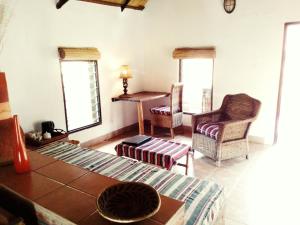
<point x="188" y="53"/>
<point x="78" y="53"/>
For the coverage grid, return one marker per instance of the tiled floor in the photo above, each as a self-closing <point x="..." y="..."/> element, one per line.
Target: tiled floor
<point x="259" y="191"/>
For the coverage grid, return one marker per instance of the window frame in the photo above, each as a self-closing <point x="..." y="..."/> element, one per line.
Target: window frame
<point x="98" y="96"/>
<point x="212" y="83"/>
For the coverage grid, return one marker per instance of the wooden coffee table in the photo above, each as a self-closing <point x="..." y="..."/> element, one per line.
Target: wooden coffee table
<point x="66" y="193"/>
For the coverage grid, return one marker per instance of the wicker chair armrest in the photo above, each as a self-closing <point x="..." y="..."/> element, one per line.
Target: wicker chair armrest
<point x="212" y="116"/>
<point x="211" y="113"/>
<point x="234" y="129"/>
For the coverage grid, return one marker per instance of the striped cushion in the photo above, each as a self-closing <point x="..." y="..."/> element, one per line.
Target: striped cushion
<point x="209" y="129"/>
<point x="157" y="151"/>
<point x="161" y="110"/>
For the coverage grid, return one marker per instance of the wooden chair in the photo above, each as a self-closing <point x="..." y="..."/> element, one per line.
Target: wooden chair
<point x="223" y="134"/>
<point x="169" y="116"/>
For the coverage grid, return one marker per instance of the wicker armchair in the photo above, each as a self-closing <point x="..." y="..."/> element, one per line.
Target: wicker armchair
<point x="169" y="116"/>
<point x="222" y="134"/>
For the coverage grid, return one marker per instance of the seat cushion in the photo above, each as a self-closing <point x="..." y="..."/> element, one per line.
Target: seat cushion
<point x="208" y="129"/>
<point x="161" y="110"/>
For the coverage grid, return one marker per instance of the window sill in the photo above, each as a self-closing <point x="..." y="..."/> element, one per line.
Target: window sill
<point x="189" y="113"/>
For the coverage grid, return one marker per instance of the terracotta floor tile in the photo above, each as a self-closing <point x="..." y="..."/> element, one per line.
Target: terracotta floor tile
<point x="69" y="203"/>
<point x="7" y="174"/>
<point x="62" y="172"/>
<point x="31" y="185"/>
<point x="38" y="160"/>
<point x="93" y="183"/>
<point x="168" y="208"/>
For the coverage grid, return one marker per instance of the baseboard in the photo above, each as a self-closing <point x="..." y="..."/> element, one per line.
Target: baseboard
<point x="134" y="127"/>
<point x="98" y="140"/>
<point x="256" y="139"/>
<point x="187" y="130"/>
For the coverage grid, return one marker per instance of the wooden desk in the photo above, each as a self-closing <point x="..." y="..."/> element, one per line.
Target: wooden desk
<point x="139" y="98"/>
<point x="66" y="194"/>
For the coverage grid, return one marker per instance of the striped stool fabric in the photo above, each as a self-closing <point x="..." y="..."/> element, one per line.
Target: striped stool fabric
<point x="208" y="129"/>
<point x="157" y="151"/>
<point x="161" y="110"/>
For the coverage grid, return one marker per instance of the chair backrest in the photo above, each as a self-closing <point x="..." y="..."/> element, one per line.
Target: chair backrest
<point x="176" y="97"/>
<point x="239" y="107"/>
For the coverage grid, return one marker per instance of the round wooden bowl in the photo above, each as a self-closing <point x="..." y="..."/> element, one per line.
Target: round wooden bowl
<point x="128" y="202"/>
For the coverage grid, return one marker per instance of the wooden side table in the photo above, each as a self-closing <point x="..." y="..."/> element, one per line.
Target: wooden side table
<point x="32" y="144"/>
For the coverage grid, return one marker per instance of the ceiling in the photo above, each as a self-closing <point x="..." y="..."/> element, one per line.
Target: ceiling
<point x="133" y="4"/>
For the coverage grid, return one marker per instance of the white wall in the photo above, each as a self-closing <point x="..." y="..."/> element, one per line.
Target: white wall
<point x="30" y="59"/>
<point x="248" y="44"/>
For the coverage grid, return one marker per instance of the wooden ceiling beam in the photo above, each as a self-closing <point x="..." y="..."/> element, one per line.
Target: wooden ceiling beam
<point x="113" y="4"/>
<point x="124" y="5"/>
<point x="60" y="3"/>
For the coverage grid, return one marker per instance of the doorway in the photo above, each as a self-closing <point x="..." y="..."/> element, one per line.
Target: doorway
<point x="288" y="109"/>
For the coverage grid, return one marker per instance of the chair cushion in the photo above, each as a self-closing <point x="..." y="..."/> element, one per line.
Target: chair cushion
<point x="208" y="129"/>
<point x="161" y="110"/>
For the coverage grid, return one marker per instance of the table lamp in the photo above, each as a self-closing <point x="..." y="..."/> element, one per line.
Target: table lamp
<point x="125" y="74"/>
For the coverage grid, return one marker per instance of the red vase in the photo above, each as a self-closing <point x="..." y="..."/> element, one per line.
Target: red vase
<point x="21" y="160"/>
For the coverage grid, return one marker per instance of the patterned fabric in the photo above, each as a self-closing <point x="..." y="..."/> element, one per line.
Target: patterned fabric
<point x="157" y="151"/>
<point x="161" y="110"/>
<point x="208" y="129"/>
<point x="203" y="199"/>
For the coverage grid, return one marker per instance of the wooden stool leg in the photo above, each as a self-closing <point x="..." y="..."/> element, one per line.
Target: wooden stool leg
<point x="187" y="163"/>
<point x="172" y="133"/>
<point x="152" y="130"/>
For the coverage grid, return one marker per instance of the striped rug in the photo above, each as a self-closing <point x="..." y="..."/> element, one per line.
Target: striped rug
<point x="203" y="199"/>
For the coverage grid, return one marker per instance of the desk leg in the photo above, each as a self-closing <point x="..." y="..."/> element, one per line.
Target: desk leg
<point x="140" y="117"/>
<point x="187" y="163"/>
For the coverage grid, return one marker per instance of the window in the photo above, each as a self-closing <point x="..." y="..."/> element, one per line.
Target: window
<point x="196" y="73"/>
<point x="81" y="94"/>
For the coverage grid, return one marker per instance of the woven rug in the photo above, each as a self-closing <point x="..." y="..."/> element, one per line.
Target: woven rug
<point x="203" y="199"/>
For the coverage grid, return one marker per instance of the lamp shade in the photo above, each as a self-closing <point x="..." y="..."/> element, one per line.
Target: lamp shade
<point x="125" y="72"/>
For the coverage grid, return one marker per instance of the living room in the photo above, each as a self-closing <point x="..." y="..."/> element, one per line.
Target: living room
<point x="248" y="45"/>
